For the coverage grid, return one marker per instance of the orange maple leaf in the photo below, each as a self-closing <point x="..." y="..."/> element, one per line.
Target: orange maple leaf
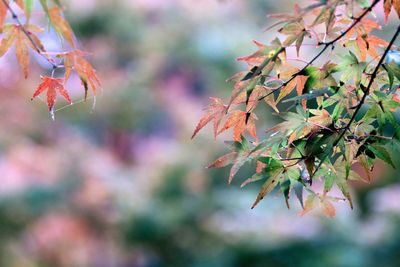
<point x="363" y="27"/>
<point x="240" y="121"/>
<point x="14" y="34"/>
<point x="214" y="112"/>
<point x="298" y="82"/>
<point x="75" y="60"/>
<point x="255" y="96"/>
<point x="61" y="25"/>
<point x="368" y="44"/>
<point x="53" y="86"/>
<point x="3" y="14"/>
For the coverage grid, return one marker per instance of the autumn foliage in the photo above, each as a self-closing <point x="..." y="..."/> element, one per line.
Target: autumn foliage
<point x="18" y="31"/>
<point x="336" y="112"/>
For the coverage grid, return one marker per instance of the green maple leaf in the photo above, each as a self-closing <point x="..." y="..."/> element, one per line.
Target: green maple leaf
<point x="350" y="68"/>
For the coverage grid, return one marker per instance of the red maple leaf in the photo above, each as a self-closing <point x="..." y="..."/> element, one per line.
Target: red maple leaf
<point x="53" y="86"/>
<point x="215" y="111"/>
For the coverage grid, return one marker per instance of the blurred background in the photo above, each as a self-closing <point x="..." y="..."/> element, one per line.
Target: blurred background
<point x="124" y="186"/>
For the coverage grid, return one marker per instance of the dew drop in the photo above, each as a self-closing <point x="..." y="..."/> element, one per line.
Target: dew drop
<point x="53" y="114"/>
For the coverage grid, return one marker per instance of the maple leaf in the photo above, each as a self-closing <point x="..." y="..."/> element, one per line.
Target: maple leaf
<point x="258" y="93"/>
<point x="20" y="4"/>
<point x="263" y="52"/>
<point x="325" y="203"/>
<point x="258" y="56"/>
<point x="272" y="173"/>
<point x="319" y="78"/>
<point x="327" y="16"/>
<point x="364" y="43"/>
<point x="53" y="86"/>
<point x="367" y="44"/>
<point x="239" y="155"/>
<point x="351" y="68"/>
<point x="396" y="5"/>
<point x="328" y="208"/>
<point x="337" y="173"/>
<point x="240" y="121"/>
<point x="296" y="126"/>
<point x="310" y="204"/>
<point x="15" y="34"/>
<point x="387" y="6"/>
<point x="214" y="112"/>
<point x="3" y="14"/>
<point x="292" y="122"/>
<point x="298" y="13"/>
<point x="253" y="98"/>
<point x="296" y="32"/>
<point x="223" y="160"/>
<point x="362" y="28"/>
<point x="298" y="82"/>
<point x="74" y="60"/>
<point x="61" y="25"/>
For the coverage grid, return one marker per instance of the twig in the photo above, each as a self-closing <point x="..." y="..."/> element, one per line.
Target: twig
<point x="293" y="164"/>
<point x="290" y="159"/>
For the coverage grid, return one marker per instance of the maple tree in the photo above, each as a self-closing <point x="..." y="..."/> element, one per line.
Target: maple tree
<point x="335" y="115"/>
<point x="17" y="29"/>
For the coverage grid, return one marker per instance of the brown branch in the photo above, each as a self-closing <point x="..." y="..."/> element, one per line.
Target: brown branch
<point x="290" y="159"/>
<point x="294" y="164"/>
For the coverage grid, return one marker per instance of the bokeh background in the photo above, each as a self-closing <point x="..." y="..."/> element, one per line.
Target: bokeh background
<point x="124" y="186"/>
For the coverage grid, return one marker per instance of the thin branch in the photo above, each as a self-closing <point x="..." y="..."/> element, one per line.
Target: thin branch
<point x="290" y="159"/>
<point x="28" y="35"/>
<point x="294" y="164"/>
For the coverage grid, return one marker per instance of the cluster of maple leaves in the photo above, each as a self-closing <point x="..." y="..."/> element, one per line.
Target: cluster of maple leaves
<point x="337" y="115"/>
<point x="24" y="36"/>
